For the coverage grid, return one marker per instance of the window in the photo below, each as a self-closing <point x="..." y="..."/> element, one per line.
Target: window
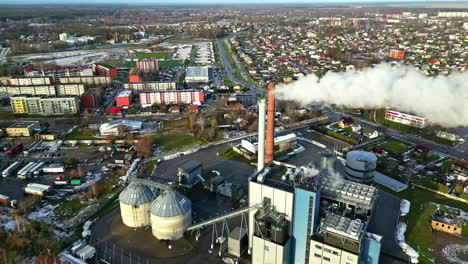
<point x="327" y="250"/>
<point x="335" y="253"/>
<point x="326" y="259"/>
<point x="318" y="247"/>
<point x="266" y="200"/>
<point x="448" y="227"/>
<point x="317" y="255"/>
<point x="454" y="229"/>
<point x="443" y="225"/>
<point x="266" y="248"/>
<point x="437" y="224"/>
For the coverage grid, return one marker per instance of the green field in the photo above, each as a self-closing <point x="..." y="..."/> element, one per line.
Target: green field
<point x="158" y="55"/>
<point x="229" y="153"/>
<point x="112" y="63"/>
<point x="170" y="63"/>
<point x="394" y="146"/>
<point x="419" y="232"/>
<point x="172" y="142"/>
<point x="76" y="135"/>
<point x="127" y="64"/>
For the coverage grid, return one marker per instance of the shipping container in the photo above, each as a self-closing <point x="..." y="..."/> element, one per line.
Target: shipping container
<point x="75" y="182"/>
<point x="34" y="190"/>
<point x="60" y="182"/>
<point x="119" y="161"/>
<point x="12" y="168"/>
<point x="53" y="168"/>
<point x="40" y="186"/>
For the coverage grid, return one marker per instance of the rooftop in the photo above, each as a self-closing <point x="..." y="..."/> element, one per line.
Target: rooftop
<point x="124" y="94"/>
<point x="24" y="124"/>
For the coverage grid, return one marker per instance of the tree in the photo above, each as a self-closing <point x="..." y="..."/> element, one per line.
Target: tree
<point x="145" y="147"/>
<point x="71" y="161"/>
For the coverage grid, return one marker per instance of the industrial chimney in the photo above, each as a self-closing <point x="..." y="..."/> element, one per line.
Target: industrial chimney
<point x="261" y="134"/>
<point x="270" y="129"/>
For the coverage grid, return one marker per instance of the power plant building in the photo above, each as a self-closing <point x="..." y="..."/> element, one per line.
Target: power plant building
<point x="304" y="219"/>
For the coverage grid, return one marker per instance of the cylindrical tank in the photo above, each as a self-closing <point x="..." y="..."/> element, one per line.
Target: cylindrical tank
<point x="260" y="224"/>
<point x="360" y="166"/>
<point x="279" y="230"/>
<point x="171" y="214"/>
<point x="135" y="203"/>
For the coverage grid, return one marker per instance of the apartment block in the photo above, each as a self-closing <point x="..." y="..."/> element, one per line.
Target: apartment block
<point x="44" y="105"/>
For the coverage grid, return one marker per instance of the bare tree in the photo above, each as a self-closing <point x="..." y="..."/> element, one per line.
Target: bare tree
<point x="145" y="146"/>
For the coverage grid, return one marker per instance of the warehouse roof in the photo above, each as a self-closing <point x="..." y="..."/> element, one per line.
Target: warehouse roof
<point x="196" y="72"/>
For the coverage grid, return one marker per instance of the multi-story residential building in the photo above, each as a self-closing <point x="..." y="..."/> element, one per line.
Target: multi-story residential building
<point x="87" y="80"/>
<point x="70" y="89"/>
<point x="58" y="72"/>
<point x="135" y="75"/>
<point x="147" y="65"/>
<point x="44" y="105"/>
<point x="150" y="86"/>
<point x="171" y="97"/>
<point x="31" y="81"/>
<point x="104" y="69"/>
<point x="124" y="98"/>
<point x="90" y="99"/>
<point x="22" y="128"/>
<point x="11" y="90"/>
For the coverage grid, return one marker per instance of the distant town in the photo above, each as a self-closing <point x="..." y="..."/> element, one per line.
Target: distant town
<point x="234" y="134"/>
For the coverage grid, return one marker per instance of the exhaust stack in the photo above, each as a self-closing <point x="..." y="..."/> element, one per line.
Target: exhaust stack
<point x="270" y="129"/>
<point x="261" y="134"/>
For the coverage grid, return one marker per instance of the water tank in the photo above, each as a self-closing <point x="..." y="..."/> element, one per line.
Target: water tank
<point x="171" y="214"/>
<point x="135" y="203"/>
<point x="360" y="166"/>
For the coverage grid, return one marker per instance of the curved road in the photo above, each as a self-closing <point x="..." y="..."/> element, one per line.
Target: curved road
<point x="230" y="69"/>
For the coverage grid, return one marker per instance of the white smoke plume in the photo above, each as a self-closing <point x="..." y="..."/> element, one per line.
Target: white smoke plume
<point x="441" y="99"/>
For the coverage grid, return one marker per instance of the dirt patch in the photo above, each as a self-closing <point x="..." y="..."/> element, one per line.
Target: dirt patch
<point x="440" y="240"/>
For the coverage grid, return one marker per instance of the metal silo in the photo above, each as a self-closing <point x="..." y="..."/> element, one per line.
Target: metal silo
<point x="360" y="166"/>
<point x="171" y="214"/>
<point x="135" y="202"/>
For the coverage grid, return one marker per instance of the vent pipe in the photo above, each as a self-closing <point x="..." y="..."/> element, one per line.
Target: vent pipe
<point x="270" y="129"/>
<point x="261" y="134"/>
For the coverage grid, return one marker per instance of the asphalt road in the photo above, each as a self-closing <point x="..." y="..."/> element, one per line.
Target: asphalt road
<point x="230" y="70"/>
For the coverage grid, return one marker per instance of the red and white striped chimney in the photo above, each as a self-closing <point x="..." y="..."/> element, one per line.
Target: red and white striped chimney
<point x="270" y="128"/>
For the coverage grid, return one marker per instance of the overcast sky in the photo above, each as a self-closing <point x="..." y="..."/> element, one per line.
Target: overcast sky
<point x="130" y="2"/>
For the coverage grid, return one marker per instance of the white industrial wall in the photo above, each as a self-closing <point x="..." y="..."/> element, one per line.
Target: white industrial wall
<point x="170" y="228"/>
<point x="135" y="216"/>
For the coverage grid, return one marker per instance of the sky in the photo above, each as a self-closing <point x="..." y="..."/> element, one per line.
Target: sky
<point x="194" y="2"/>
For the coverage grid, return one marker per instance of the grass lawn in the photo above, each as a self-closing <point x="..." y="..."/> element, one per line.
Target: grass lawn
<point x="127" y="64"/>
<point x="419" y="233"/>
<point x="229" y="153"/>
<point x="112" y="62"/>
<point x="170" y="142"/>
<point x="394" y="146"/>
<point x="159" y="55"/>
<point x="76" y="135"/>
<point x="170" y="63"/>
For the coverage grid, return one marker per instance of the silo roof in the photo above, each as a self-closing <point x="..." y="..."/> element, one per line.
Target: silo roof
<point x="136" y="194"/>
<point x="361" y="155"/>
<point x="170" y="203"/>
